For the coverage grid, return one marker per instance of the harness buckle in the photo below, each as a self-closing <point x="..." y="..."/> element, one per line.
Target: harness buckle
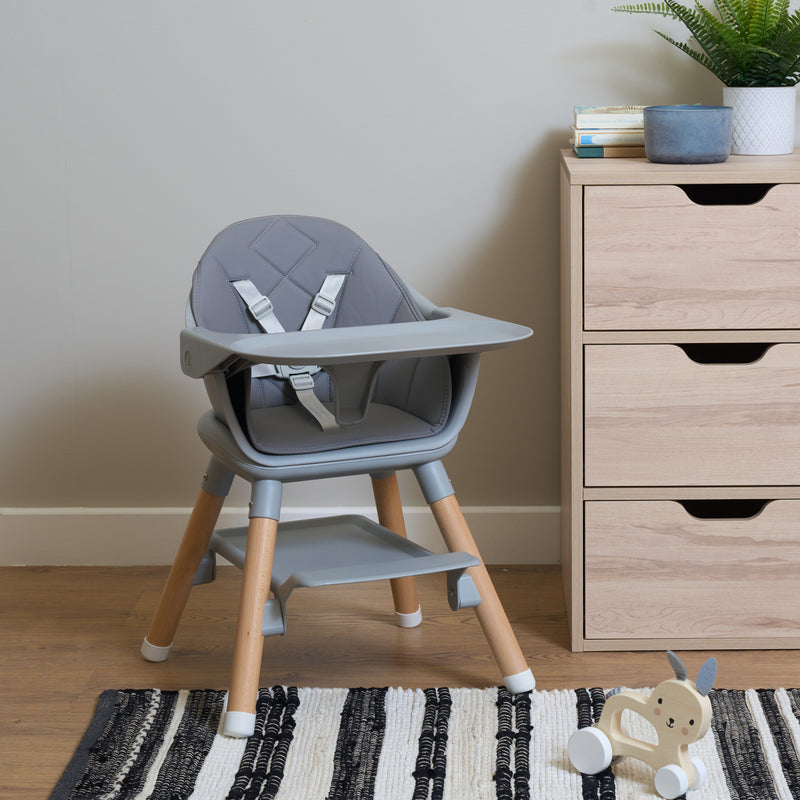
<point x="301" y="381"/>
<point x="286" y="371"/>
<point x="261" y="308"/>
<point x="323" y="305"/>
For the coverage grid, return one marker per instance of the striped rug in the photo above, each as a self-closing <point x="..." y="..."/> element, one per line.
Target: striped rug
<point x="403" y="744"/>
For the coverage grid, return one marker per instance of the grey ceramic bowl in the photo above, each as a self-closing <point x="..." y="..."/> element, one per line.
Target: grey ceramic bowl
<point x="687" y="134"/>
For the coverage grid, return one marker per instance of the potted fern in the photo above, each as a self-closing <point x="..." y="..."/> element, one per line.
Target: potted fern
<point x="753" y="47"/>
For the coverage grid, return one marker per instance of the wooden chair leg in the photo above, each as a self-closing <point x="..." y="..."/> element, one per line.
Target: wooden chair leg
<point x="240" y="716"/>
<point x="193" y="546"/>
<point x="516" y="674"/>
<point x="390" y="515"/>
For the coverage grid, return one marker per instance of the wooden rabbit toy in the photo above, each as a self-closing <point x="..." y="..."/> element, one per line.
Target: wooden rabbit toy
<point x="679" y="710"/>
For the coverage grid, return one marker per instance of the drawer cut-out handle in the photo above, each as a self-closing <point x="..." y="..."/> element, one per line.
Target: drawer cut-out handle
<point x="725" y="352"/>
<point x="726" y="194"/>
<point x="724" y="509"/>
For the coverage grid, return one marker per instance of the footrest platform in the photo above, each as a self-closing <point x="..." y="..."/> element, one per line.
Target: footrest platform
<point x="334" y="550"/>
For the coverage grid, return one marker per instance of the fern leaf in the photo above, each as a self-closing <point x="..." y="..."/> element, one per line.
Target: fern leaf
<point x="697" y="55"/>
<point x="717" y="31"/>
<point x="787" y="38"/>
<point x="791" y="75"/>
<point x="725" y="12"/>
<point x="645" y="8"/>
<point x="736" y="12"/>
<point x="765" y="18"/>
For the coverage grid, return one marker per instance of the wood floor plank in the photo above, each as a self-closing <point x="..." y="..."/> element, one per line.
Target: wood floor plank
<point x="68" y="633"/>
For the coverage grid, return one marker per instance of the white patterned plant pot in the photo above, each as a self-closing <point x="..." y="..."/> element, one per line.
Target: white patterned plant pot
<point x="763" y="119"/>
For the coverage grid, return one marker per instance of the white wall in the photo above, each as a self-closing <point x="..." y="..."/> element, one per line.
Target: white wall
<point x="133" y="131"/>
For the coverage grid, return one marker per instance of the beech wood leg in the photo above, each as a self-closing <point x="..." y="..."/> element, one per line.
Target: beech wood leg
<point x="390" y="515"/>
<point x="492" y="617"/>
<point x="184" y="568"/>
<point x="257" y="573"/>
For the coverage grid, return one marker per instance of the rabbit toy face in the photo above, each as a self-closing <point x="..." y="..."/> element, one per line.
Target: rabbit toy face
<point x="679" y="713"/>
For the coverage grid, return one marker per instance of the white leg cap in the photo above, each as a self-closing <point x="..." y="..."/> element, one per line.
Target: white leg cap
<point x="521" y="682"/>
<point x="153" y="652"/>
<point x="589" y="751"/>
<point x="671" y="782"/>
<point x="409" y="620"/>
<point x="239" y="724"/>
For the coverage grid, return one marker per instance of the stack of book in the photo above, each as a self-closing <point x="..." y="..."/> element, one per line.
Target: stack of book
<point x="608" y="132"/>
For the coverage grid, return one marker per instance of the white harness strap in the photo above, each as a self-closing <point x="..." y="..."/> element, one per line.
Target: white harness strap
<point x="303" y="385"/>
<point x="323" y="303"/>
<point x="260" y="306"/>
<point x="322" y="307"/>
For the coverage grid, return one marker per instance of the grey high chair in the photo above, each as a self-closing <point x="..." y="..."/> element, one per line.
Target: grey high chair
<point x="320" y="362"/>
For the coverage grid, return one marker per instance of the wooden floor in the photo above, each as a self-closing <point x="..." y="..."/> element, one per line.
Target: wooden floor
<point x="69" y="633"/>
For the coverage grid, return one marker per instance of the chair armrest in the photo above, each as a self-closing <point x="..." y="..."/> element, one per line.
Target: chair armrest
<point x="450" y="331"/>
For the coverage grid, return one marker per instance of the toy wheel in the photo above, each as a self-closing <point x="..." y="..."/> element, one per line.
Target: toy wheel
<point x="671" y="781"/>
<point x="589" y="750"/>
<point x="701" y="773"/>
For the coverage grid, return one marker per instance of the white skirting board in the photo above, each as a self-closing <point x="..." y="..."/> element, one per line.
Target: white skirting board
<point x="143" y="536"/>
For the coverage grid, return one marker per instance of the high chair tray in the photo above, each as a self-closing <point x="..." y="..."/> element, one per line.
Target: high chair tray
<point x="343" y="549"/>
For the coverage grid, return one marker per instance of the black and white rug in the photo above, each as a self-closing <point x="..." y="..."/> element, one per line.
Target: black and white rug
<point x="404" y="744"/>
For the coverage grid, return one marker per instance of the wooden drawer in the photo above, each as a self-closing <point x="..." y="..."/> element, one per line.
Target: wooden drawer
<point x="655" y="571"/>
<point x="655" y="417"/>
<point x="656" y="260"/>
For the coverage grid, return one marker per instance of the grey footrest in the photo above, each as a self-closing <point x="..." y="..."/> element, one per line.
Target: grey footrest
<point x="333" y="550"/>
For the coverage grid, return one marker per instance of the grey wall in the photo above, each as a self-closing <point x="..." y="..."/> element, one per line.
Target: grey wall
<point x="133" y="131"/>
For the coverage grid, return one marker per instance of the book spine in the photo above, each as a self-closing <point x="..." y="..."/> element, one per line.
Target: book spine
<point x="617" y="137"/>
<point x="593" y="151"/>
<point x="608" y="116"/>
<point x="593" y="121"/>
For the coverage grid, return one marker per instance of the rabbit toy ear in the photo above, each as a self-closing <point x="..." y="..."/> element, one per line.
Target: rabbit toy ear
<point x="705" y="678"/>
<point x="677" y="665"/>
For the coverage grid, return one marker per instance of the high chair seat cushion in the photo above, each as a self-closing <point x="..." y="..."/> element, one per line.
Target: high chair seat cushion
<point x="286" y="430"/>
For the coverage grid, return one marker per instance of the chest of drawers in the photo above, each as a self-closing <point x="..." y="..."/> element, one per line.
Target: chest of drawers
<point x="681" y="403"/>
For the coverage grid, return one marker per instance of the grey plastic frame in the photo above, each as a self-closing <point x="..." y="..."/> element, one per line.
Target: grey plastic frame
<point x="447" y="332"/>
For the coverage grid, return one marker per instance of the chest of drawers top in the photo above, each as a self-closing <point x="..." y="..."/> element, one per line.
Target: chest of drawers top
<point x="631" y="171"/>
